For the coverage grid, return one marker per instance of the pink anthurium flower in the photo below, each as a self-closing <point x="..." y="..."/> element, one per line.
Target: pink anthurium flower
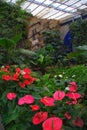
<point x="11" y="96"/>
<point x="53" y="123"/>
<point x="39" y="117"/>
<point x="59" y="95"/>
<point x="47" y="101"/>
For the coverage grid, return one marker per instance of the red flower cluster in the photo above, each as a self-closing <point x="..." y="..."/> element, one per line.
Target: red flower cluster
<point x="72" y="94"/>
<point x="22" y="77"/>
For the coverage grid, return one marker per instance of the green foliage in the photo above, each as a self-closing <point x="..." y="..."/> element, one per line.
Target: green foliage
<point x="76" y="73"/>
<point x="53" y="38"/>
<point x="18" y="57"/>
<point x="13" y="20"/>
<point x="79" y="30"/>
<point x="26" y="52"/>
<point x="80" y="55"/>
<point x="8" y="44"/>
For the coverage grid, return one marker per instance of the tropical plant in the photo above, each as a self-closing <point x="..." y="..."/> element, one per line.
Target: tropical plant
<point x="79" y="56"/>
<point x="8" y="46"/>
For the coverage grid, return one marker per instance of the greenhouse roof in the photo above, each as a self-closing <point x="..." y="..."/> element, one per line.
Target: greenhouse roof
<point x="54" y="9"/>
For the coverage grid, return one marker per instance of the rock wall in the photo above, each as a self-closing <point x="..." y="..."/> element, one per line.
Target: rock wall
<point x="37" y="27"/>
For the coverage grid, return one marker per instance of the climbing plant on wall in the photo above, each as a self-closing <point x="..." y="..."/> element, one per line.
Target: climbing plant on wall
<point x="79" y="30"/>
<point x="52" y="37"/>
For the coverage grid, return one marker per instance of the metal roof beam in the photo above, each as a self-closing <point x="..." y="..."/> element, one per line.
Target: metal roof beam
<point x="71" y="10"/>
<point x="66" y="4"/>
<point x="65" y="8"/>
<point x="51" y="6"/>
<point x="31" y="1"/>
<point x="38" y="6"/>
<point x="44" y="8"/>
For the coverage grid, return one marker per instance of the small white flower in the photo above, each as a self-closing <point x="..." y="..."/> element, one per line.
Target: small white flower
<point x="67" y="88"/>
<point x="2" y="66"/>
<point x="66" y="77"/>
<point x="60" y="76"/>
<point x="73" y="76"/>
<point x="55" y="76"/>
<point x="22" y="72"/>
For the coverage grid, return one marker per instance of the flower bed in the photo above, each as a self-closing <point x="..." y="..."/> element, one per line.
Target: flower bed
<point x="24" y="106"/>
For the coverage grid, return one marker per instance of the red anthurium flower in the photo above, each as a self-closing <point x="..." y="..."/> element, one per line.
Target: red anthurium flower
<point x="27" y="82"/>
<point x="28" y="99"/>
<point x="18" y="70"/>
<point x="21" y="101"/>
<point x="7" y="66"/>
<point x="35" y="107"/>
<point x="15" y="77"/>
<point x="27" y="70"/>
<point x="59" y="95"/>
<point x="39" y="117"/>
<point x="47" y="101"/>
<point x="22" y="85"/>
<point x="27" y="76"/>
<point x="72" y="83"/>
<point x="53" y="123"/>
<point x="73" y="96"/>
<point x="73" y="87"/>
<point x="78" y="122"/>
<point x="11" y="96"/>
<point x="6" y="77"/>
<point x="5" y="69"/>
<point x="67" y="115"/>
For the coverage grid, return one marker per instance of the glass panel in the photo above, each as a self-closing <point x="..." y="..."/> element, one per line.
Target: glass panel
<point x="70" y="2"/>
<point x="56" y="15"/>
<point x="40" y="8"/>
<point x="32" y="6"/>
<point x="56" y="4"/>
<point x="83" y="1"/>
<point x="40" y="1"/>
<point x="42" y="13"/>
<point x="63" y="6"/>
<point x="83" y="7"/>
<point x="53" y="16"/>
<point x="63" y="16"/>
<point x="69" y="9"/>
<point x="48" y="2"/>
<point x="25" y="5"/>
